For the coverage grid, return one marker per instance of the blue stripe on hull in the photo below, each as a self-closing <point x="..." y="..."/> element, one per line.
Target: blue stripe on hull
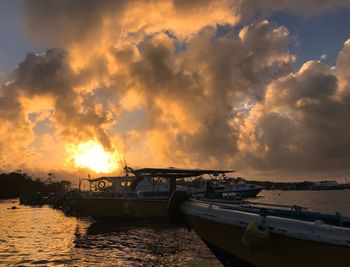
<point x="226" y="258"/>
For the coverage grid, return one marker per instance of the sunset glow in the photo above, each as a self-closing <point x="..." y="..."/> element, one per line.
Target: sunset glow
<point x="197" y="84"/>
<point x="93" y="156"/>
<point x="146" y="111"/>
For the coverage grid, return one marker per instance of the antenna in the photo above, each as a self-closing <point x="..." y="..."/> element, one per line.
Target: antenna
<point x="124" y="143"/>
<point x="122" y="158"/>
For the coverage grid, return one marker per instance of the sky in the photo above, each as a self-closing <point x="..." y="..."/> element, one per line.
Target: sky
<point x="14" y="43"/>
<point x="261" y="87"/>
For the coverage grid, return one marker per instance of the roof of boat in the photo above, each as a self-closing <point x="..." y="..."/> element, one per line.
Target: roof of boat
<point x="176" y="173"/>
<point x="111" y="178"/>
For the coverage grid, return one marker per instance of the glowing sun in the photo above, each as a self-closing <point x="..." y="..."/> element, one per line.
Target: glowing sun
<point x="93" y="156"/>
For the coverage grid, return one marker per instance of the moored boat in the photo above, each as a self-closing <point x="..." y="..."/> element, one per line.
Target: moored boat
<point x="254" y="237"/>
<point x="122" y="197"/>
<point x="112" y="207"/>
<point x="235" y="187"/>
<point x="142" y="193"/>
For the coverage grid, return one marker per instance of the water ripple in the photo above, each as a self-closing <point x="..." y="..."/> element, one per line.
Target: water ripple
<point x="41" y="236"/>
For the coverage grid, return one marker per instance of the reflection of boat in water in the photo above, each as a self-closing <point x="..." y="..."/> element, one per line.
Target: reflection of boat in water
<point x="264" y="236"/>
<point x="140" y="242"/>
<point x="119" y="225"/>
<point x="144" y="194"/>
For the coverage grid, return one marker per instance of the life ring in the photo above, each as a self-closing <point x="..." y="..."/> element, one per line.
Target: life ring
<point x="101" y="185"/>
<point x="256" y="235"/>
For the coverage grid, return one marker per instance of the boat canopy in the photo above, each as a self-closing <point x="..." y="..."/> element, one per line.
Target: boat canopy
<point x="112" y="178"/>
<point x="175" y="173"/>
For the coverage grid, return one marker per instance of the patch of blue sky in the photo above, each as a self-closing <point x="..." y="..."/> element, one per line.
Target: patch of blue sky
<point x="223" y="30"/>
<point x="43" y="127"/>
<point x="137" y="119"/>
<point x="14" y="44"/>
<point x="318" y="36"/>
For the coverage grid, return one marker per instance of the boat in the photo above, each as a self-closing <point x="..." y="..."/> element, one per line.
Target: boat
<point x="140" y="193"/>
<point x="37" y="199"/>
<point x="123" y="197"/>
<point x="262" y="235"/>
<point x="235" y="187"/>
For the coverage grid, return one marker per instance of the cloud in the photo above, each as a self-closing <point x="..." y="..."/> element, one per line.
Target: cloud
<point x="300" y="127"/>
<point x="343" y="70"/>
<point x="91" y="21"/>
<point x="3" y="77"/>
<point x="44" y="82"/>
<point x="191" y="94"/>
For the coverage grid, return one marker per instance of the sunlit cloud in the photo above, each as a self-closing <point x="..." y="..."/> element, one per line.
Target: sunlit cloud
<point x="182" y="91"/>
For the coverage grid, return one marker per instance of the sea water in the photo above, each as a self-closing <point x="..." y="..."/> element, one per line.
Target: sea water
<point x="42" y="236"/>
<point x="328" y="201"/>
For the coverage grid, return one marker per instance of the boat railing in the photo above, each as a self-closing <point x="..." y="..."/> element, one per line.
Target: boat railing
<point x="251" y="204"/>
<point x="292" y="207"/>
<point x="293" y="211"/>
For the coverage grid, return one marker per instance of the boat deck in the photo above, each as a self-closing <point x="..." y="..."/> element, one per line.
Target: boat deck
<point x="290" y="212"/>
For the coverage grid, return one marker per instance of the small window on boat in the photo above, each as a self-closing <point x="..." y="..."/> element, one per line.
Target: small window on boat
<point x="125" y="184"/>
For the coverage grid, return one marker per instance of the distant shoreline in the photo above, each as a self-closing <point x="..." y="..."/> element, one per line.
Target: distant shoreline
<point x="305" y="185"/>
<point x="14" y="184"/>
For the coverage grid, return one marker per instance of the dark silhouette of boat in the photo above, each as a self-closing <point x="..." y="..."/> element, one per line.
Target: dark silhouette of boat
<point x="141" y="193"/>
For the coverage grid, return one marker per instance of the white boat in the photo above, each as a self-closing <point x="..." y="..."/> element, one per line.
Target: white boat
<point x="253" y="237"/>
<point x="236" y="187"/>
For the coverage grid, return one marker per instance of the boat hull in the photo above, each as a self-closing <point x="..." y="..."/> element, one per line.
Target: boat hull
<point x="249" y="192"/>
<point x="121" y="208"/>
<point x="225" y="241"/>
<point x="244" y="193"/>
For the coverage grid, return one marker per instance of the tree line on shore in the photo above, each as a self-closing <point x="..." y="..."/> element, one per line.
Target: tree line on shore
<point x="18" y="183"/>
